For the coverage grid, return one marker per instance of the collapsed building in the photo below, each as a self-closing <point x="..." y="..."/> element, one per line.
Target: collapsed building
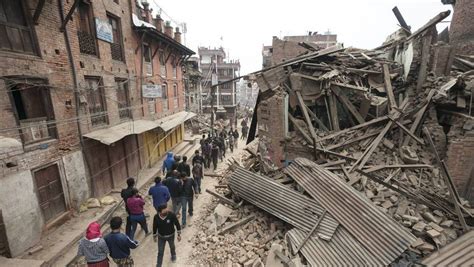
<point x="365" y="155"/>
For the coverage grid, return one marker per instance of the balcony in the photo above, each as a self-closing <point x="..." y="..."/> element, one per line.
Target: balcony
<point x="87" y="44"/>
<point x="125" y="113"/>
<point x="35" y="130"/>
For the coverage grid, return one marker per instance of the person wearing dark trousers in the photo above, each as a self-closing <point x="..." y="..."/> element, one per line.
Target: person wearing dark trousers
<point x="236" y="138"/>
<point x="183" y="166"/>
<point x="125" y="194"/>
<point x="159" y="193"/>
<point x="206" y="153"/>
<point x="198" y="174"/>
<point x="174" y="186"/>
<point x="135" y="205"/>
<point x="187" y="195"/>
<point x="165" y="225"/>
<point x="214" y="154"/>
<point x="119" y="244"/>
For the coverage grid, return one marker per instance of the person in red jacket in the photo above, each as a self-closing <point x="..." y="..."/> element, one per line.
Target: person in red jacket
<point x="135" y="205"/>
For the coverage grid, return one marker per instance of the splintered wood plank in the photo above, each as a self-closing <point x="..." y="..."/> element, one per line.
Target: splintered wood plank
<point x="333" y="112"/>
<point x="388" y="87"/>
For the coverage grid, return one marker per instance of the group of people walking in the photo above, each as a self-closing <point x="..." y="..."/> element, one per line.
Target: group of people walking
<point x="182" y="183"/>
<point x="214" y="146"/>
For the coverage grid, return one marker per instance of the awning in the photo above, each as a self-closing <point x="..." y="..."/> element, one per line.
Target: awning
<point x="174" y="120"/>
<point x="113" y="134"/>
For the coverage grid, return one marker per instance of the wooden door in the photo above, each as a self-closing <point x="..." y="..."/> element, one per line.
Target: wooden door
<point x="118" y="163"/>
<point x="133" y="155"/>
<point x="98" y="160"/>
<point x="50" y="192"/>
<point x="4" y="247"/>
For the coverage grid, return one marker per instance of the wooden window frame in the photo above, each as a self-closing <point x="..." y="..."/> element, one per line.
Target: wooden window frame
<point x="29" y="27"/>
<point x="91" y="26"/>
<point x="120" y="35"/>
<point x="102" y="100"/>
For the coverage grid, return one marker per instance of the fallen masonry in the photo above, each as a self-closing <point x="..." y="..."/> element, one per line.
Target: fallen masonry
<point x="363" y="158"/>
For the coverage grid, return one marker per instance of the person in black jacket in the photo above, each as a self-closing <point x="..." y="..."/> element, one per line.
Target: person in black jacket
<point x="164" y="224"/>
<point x="187" y="195"/>
<point x="125" y="194"/>
<point x="183" y="166"/>
<point x="214" y="154"/>
<point x="175" y="187"/>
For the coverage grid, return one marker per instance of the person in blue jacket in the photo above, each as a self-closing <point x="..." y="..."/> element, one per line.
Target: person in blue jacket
<point x="159" y="193"/>
<point x="119" y="244"/>
<point x="168" y="163"/>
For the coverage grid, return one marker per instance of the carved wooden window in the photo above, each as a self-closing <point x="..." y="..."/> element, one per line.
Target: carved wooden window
<point x="15" y="30"/>
<point x="85" y="29"/>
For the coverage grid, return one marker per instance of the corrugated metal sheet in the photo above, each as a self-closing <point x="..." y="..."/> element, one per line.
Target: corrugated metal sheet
<point x="342" y="250"/>
<point x="458" y="253"/>
<point x="282" y="202"/>
<point x="381" y="236"/>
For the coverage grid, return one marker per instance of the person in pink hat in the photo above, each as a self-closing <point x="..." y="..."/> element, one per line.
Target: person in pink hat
<point x="94" y="247"/>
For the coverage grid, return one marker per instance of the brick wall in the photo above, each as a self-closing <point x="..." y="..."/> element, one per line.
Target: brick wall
<point x="51" y="65"/>
<point x="271" y="128"/>
<point x="460" y="161"/>
<point x="461" y="33"/>
<point x="284" y="50"/>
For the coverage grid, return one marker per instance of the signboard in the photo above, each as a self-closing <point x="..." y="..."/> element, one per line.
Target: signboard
<point x="104" y="30"/>
<point x="214" y="79"/>
<point x="151" y="90"/>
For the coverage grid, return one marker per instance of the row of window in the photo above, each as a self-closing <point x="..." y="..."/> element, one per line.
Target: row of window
<point x="33" y="107"/>
<point x="148" y="59"/>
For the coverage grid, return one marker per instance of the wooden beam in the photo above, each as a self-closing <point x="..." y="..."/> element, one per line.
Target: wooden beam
<point x="419" y="117"/>
<point x="69" y="15"/>
<point x="333" y="112"/>
<point x="430" y="23"/>
<point x="318" y="121"/>
<point x="310" y="233"/>
<point x="365" y="124"/>
<point x="425" y="57"/>
<point x="309" y="140"/>
<point x="222" y="198"/>
<point x="352" y="140"/>
<point x="169" y="55"/>
<point x="236" y="224"/>
<point x="416" y="138"/>
<point x="304" y="109"/>
<point x="388" y="87"/>
<point x="154" y="52"/>
<point x="344" y="100"/>
<point x="399" y="166"/>
<point x="350" y="86"/>
<point x="39" y="8"/>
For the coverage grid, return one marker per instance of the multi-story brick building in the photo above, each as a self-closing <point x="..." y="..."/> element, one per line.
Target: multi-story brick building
<point x="192" y="85"/>
<point x="91" y="93"/>
<point x="213" y="62"/>
<point x="289" y="46"/>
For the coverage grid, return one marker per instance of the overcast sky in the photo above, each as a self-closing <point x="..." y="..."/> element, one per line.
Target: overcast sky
<point x="246" y="25"/>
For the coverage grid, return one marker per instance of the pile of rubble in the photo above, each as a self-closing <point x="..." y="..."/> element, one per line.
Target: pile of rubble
<point x="366" y="182"/>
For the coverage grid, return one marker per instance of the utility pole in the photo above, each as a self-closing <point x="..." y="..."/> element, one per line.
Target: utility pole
<point x="214" y="83"/>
